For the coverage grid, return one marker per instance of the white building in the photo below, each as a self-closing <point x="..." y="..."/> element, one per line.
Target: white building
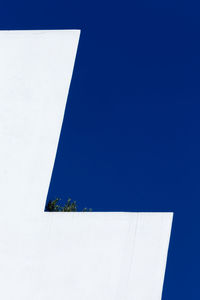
<point x="57" y="256"/>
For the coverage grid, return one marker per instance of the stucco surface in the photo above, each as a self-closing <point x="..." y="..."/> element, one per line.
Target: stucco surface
<point x="75" y="256"/>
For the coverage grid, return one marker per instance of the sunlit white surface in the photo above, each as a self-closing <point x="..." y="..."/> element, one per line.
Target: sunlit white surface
<point x="75" y="256"/>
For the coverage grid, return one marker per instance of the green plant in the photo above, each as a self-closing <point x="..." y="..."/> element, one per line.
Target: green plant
<point x="69" y="206"/>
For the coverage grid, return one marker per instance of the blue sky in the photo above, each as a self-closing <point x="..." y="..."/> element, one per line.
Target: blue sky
<point x="130" y="137"/>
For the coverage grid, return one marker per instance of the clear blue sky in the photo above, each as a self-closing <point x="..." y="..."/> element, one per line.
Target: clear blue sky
<point x="130" y="137"/>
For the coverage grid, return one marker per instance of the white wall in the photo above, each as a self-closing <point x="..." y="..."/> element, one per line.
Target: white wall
<point x="60" y="255"/>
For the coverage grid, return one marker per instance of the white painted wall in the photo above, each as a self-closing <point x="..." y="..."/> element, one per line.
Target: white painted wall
<point x="73" y="256"/>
